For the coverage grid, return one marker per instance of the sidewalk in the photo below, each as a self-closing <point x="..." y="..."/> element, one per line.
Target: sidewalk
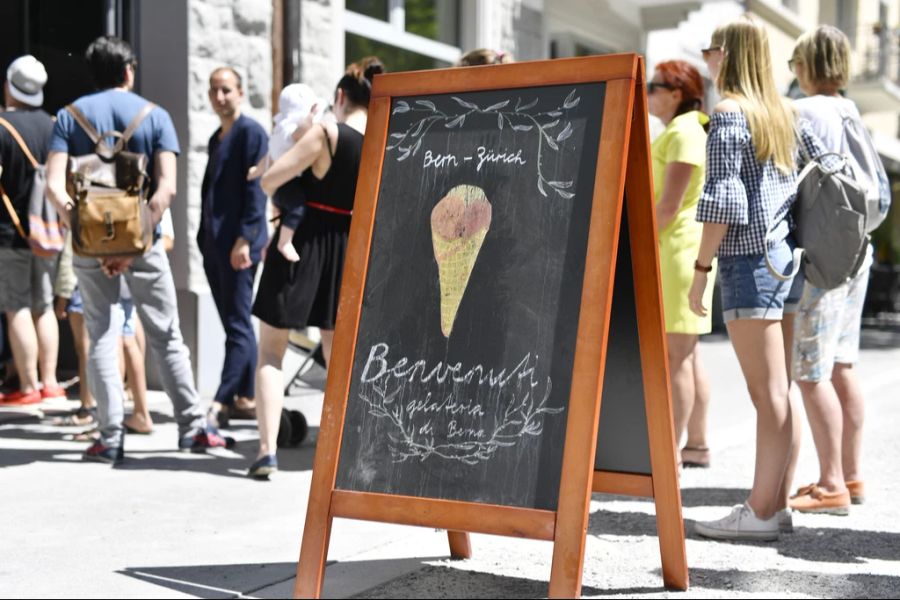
<point x="172" y="525"/>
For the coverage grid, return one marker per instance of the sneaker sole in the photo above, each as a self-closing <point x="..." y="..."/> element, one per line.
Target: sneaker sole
<point x="761" y="536"/>
<point x="838" y="512"/>
<point x="857" y="499"/>
<point x="19" y="403"/>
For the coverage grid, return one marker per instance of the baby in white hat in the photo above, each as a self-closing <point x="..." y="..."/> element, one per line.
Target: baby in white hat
<point x="296" y="103"/>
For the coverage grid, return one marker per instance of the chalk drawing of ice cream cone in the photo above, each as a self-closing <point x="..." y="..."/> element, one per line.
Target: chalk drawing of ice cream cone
<point x="459" y="224"/>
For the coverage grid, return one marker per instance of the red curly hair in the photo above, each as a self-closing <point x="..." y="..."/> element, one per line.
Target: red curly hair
<point x="682" y="75"/>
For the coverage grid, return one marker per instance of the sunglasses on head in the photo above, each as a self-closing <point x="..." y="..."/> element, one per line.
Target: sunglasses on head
<point x="653" y="86"/>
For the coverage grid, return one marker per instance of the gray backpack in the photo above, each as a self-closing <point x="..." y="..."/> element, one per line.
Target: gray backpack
<point x="867" y="169"/>
<point x="831" y="216"/>
<point x="841" y="198"/>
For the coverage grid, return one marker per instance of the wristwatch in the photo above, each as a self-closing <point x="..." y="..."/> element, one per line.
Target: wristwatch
<point x="701" y="268"/>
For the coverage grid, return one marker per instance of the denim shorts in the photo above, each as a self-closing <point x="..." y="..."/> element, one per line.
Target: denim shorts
<point x="792" y="302"/>
<point x="749" y="290"/>
<point x="126" y="305"/>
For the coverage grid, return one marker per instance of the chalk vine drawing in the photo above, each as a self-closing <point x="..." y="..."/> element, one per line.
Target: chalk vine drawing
<point x="524" y="416"/>
<point x="520" y="118"/>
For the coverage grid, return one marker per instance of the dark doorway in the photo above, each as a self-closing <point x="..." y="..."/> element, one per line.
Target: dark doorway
<point x="57" y="32"/>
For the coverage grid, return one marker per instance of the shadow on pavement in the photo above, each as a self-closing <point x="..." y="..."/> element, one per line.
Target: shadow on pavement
<point x="816" y="544"/>
<point x="215" y="581"/>
<point x="814" y="585"/>
<point x="436" y="581"/>
<point x="215" y="462"/>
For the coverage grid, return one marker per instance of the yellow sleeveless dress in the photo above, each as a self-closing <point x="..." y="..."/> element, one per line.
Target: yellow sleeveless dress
<point x="683" y="141"/>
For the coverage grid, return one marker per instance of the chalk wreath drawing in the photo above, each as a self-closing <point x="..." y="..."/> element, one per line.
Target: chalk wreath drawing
<point x="519" y="118"/>
<point x="412" y="439"/>
<point x="459" y="224"/>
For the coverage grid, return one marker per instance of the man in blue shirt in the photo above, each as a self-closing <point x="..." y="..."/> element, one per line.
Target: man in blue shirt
<point x="112" y="64"/>
<point x="232" y="235"/>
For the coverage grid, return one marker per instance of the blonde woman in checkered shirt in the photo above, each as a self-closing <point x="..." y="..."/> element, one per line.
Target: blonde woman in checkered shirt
<point x="751" y="184"/>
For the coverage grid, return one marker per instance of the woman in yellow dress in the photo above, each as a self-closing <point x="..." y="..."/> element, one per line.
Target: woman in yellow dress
<point x="679" y="166"/>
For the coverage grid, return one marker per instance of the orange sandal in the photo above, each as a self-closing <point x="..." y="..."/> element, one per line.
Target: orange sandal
<point x="857" y="491"/>
<point x="813" y="499"/>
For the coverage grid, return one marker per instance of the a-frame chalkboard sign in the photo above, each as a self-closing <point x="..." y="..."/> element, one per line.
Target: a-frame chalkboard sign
<point x="492" y="277"/>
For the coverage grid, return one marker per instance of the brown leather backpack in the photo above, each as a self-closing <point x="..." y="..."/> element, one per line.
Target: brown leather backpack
<point x="111" y="216"/>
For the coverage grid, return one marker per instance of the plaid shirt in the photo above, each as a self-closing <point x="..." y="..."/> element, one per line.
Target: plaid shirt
<point x="742" y="192"/>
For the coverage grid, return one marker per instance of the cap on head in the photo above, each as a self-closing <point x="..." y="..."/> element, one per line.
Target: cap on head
<point x="27" y="77"/>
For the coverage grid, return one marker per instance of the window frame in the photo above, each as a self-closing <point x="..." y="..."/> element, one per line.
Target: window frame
<point x="393" y="33"/>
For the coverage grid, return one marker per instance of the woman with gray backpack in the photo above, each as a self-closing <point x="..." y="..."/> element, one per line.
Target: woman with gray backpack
<point x="827" y="325"/>
<point x="752" y="183"/>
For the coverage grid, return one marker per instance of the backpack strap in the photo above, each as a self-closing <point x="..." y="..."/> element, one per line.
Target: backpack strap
<point x="132" y="127"/>
<point x="84" y="124"/>
<point x="95" y="137"/>
<point x="20" y="142"/>
<point x="12" y="213"/>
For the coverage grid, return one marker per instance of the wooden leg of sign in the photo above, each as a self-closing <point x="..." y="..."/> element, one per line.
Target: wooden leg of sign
<point x="460" y="545"/>
<point x="651" y="331"/>
<point x="314" y="548"/>
<point x="313" y="554"/>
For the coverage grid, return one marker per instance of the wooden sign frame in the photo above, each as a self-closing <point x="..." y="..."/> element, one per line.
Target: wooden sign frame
<point x="623" y="171"/>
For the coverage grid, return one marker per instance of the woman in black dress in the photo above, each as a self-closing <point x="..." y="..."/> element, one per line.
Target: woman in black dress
<point x="305" y="293"/>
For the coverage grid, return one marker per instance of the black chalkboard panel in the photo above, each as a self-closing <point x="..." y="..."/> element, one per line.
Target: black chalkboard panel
<point x="463" y="359"/>
<point x="623" y="444"/>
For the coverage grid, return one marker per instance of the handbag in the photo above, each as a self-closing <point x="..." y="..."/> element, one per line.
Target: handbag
<point x="111" y="215"/>
<point x="46" y="236"/>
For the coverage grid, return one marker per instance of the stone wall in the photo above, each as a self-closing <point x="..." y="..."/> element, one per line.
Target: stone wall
<point x="235" y="33"/>
<point x="320" y="48"/>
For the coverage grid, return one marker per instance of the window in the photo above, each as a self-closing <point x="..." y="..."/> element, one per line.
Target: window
<point x="405" y="34"/>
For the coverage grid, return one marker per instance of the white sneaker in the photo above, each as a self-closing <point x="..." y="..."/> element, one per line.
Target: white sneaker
<point x="785" y="520"/>
<point x="741" y="524"/>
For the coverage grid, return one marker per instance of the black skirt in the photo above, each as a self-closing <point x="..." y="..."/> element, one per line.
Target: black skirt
<point x="305" y="293"/>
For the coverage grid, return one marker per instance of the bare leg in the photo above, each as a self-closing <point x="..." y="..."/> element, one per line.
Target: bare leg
<point x="849" y="393"/>
<point x="823" y="410"/>
<point x="696" y="426"/>
<point x="327" y="342"/>
<point x="759" y="346"/>
<point x="23" y="340"/>
<point x="787" y="331"/>
<point x="681" y="370"/>
<point x="47" y="329"/>
<point x="82" y="347"/>
<point x="270" y="386"/>
<point x="140" y="419"/>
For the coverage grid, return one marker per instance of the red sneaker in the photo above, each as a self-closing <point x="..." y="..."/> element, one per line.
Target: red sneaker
<point x="53" y="391"/>
<point x="20" y="398"/>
